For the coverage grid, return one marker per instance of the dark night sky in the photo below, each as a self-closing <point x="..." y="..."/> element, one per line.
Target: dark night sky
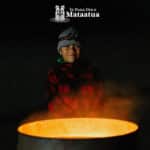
<point x="118" y="44"/>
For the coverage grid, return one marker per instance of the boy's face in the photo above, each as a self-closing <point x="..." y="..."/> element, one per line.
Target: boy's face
<point x="70" y="53"/>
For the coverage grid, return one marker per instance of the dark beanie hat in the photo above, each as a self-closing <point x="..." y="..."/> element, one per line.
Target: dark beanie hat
<point x="68" y="37"/>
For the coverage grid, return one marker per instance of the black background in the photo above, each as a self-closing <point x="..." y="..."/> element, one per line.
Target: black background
<point x="118" y="43"/>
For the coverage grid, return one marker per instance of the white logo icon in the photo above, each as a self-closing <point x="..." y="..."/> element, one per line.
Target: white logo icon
<point x="59" y="14"/>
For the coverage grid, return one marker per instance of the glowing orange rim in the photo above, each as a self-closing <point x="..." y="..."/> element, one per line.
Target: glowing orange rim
<point x="78" y="128"/>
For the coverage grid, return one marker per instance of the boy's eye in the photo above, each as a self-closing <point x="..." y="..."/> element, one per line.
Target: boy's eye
<point x="67" y="46"/>
<point x="76" y="46"/>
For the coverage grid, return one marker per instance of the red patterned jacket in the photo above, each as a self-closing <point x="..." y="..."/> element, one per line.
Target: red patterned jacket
<point x="67" y="77"/>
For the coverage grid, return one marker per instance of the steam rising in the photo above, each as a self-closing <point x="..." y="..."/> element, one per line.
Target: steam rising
<point x="120" y="101"/>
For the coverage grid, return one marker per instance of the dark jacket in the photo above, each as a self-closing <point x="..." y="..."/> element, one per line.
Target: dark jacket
<point x="68" y="77"/>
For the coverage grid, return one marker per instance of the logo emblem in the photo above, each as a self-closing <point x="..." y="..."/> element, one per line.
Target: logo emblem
<point x="60" y="14"/>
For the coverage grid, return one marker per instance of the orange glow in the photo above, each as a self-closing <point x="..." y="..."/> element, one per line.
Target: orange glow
<point x="78" y="128"/>
<point x="87" y="102"/>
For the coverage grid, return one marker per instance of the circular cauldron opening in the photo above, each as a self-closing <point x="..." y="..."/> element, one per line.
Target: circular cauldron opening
<point x="78" y="128"/>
